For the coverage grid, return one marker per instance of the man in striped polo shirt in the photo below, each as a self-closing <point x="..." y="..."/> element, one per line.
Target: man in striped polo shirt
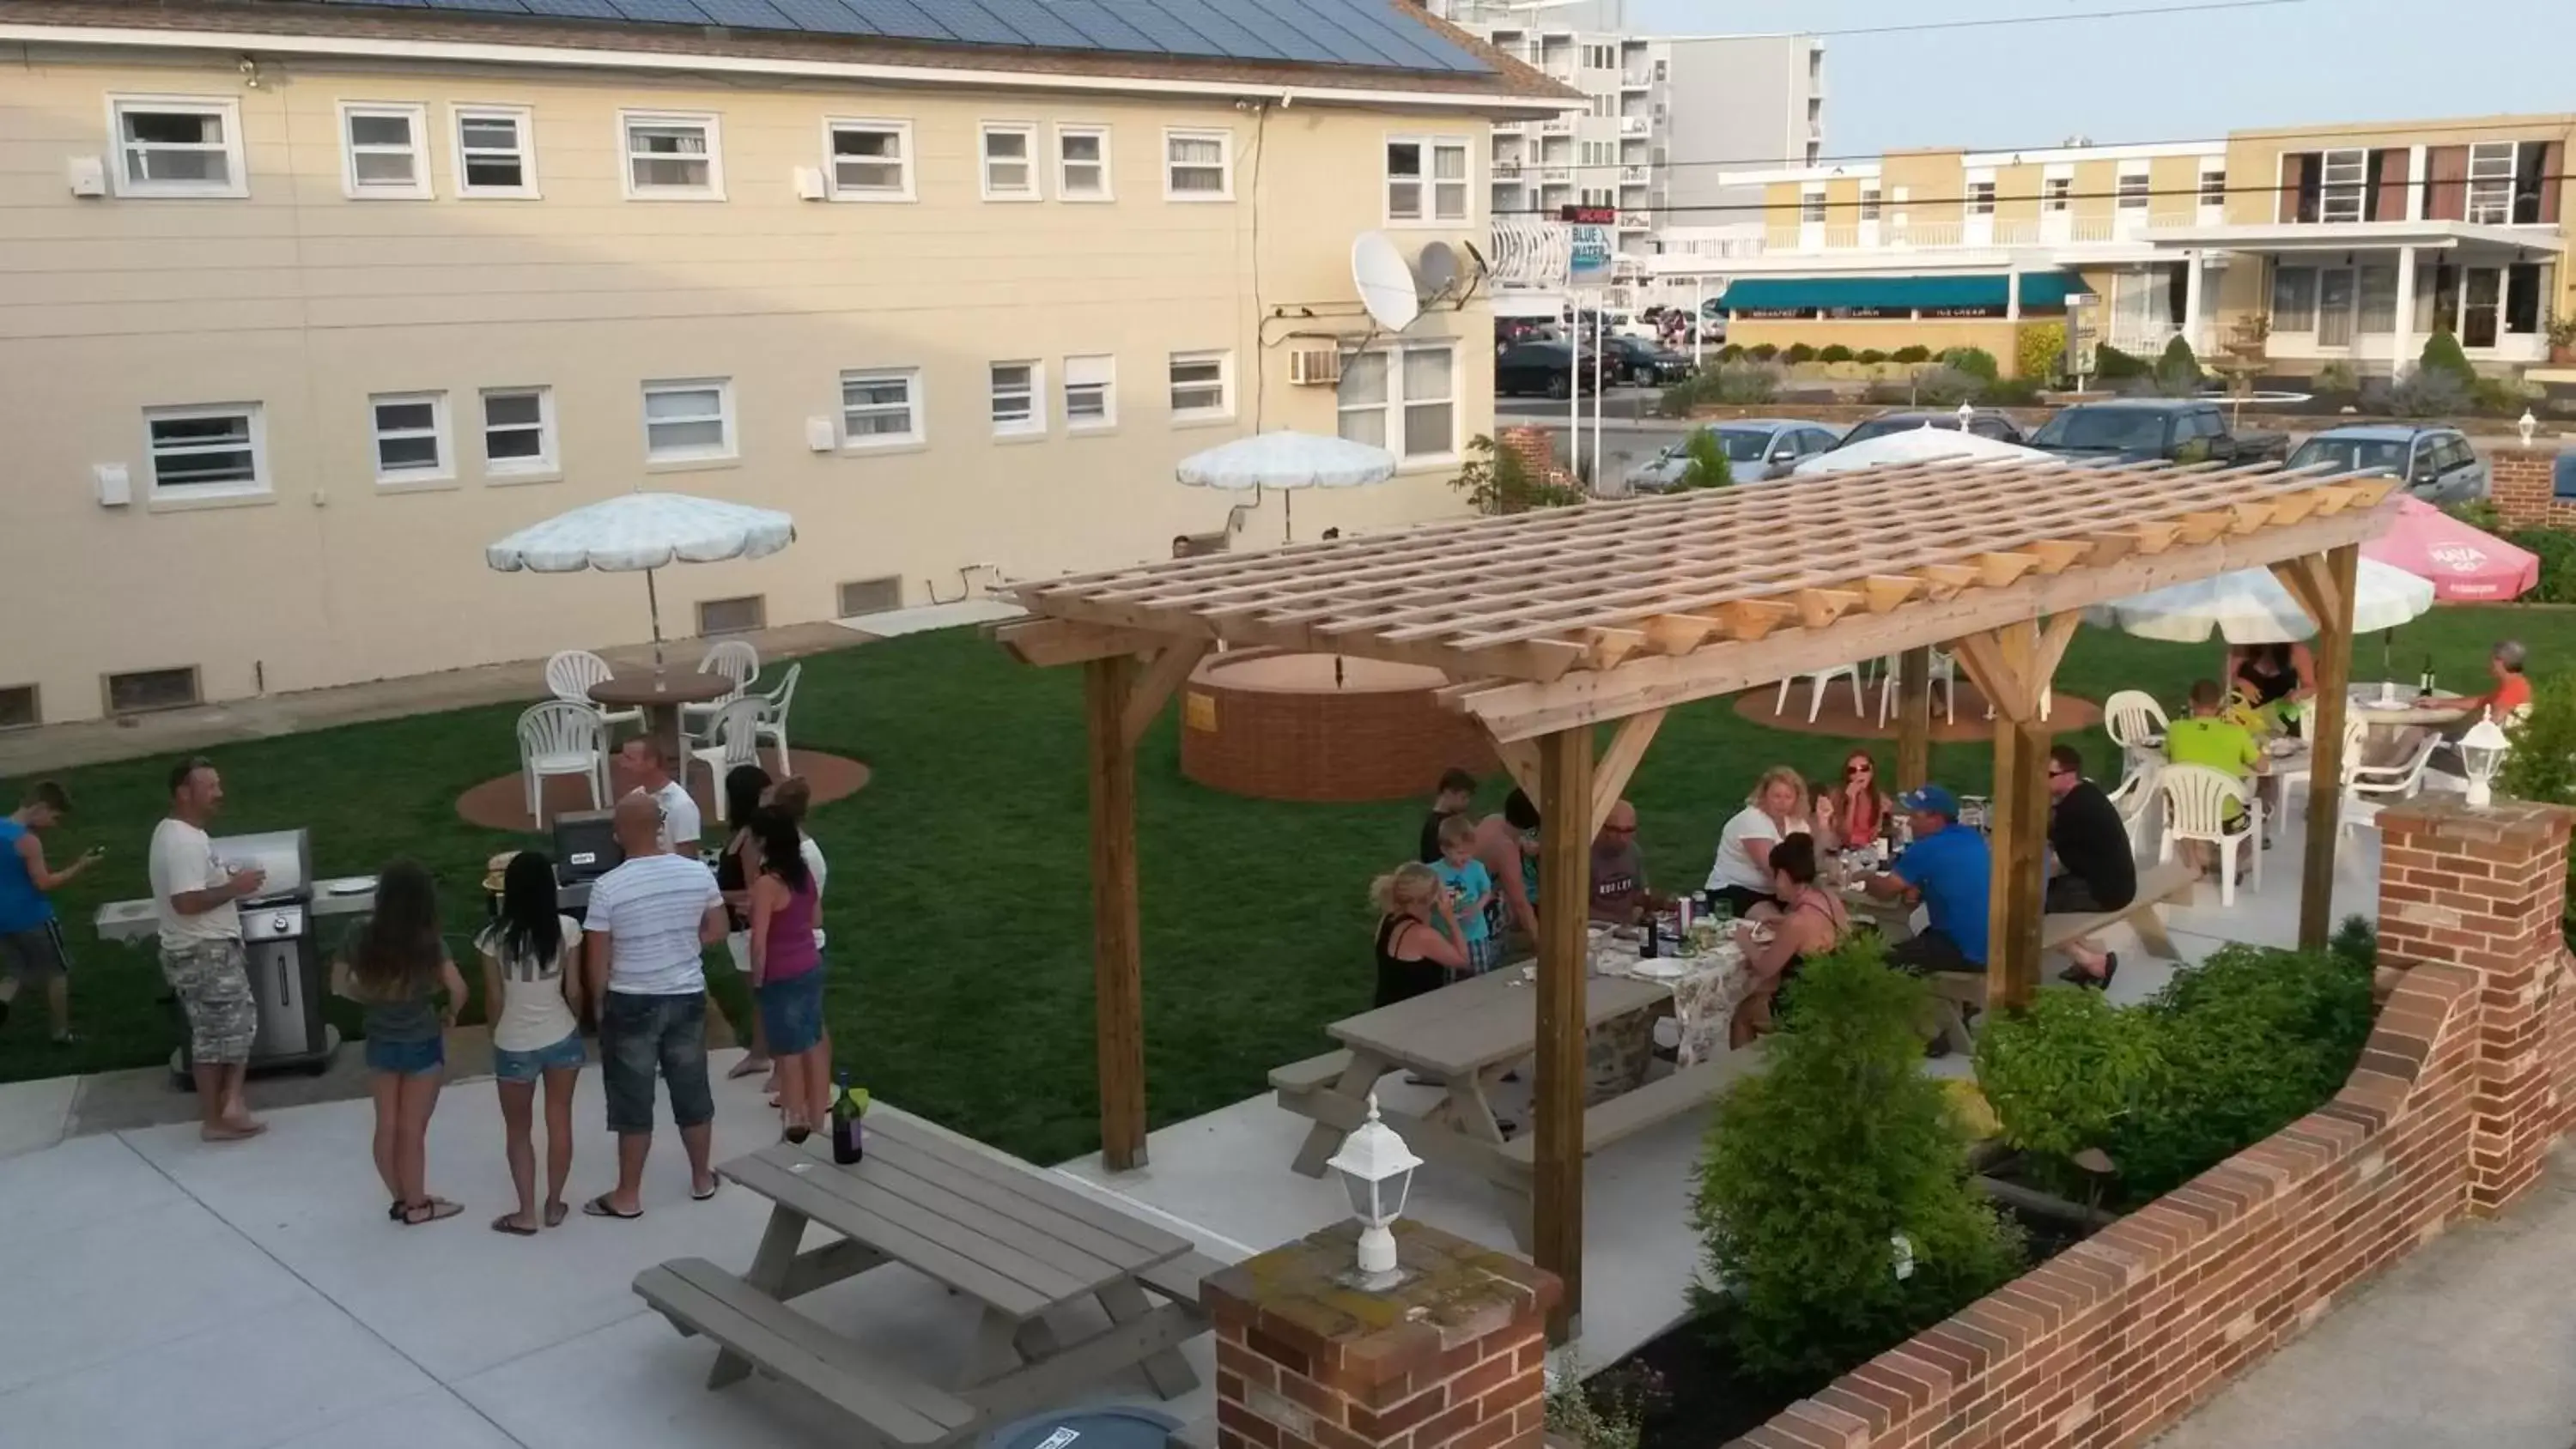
<point x="649" y="919"/>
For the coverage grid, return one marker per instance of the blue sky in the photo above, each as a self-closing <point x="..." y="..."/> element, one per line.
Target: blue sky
<point x="2154" y="78"/>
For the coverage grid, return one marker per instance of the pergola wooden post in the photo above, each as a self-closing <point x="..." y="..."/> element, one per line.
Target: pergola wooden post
<point x="2323" y="585"/>
<point x="1551" y="624"/>
<point x="1914" y="716"/>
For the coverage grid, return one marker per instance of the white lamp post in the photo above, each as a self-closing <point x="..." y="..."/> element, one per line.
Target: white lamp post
<point x="1967" y="415"/>
<point x="2482" y="752"/>
<point x="1377" y="1169"/>
<point x="2526" y="425"/>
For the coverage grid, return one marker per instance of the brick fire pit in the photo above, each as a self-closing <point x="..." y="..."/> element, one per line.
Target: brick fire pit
<point x="1278" y="727"/>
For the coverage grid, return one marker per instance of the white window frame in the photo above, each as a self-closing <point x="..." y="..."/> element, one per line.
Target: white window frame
<point x="2056" y="194"/>
<point x="901" y="130"/>
<point x="1428" y="183"/>
<point x="2488" y="198"/>
<point x="913" y="434"/>
<point x="725" y="451"/>
<point x="2212" y="195"/>
<point x="1223" y="411"/>
<point x="1870" y="201"/>
<point x="1027" y="131"/>
<point x="1035" y="424"/>
<point x="1091" y="370"/>
<point x="416" y="120"/>
<point x="521" y="117"/>
<point x="1394" y="429"/>
<point x="1225" y="162"/>
<point x="227" y="113"/>
<point x="257" y="487"/>
<point x="1811" y="206"/>
<point x="1063" y="188"/>
<point x="2343" y="199"/>
<point x="1981" y="198"/>
<point x="442" y="465"/>
<point x="546" y="463"/>
<point x="2132" y="190"/>
<point x="628" y="120"/>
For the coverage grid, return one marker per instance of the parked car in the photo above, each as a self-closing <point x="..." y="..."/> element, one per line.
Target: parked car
<point x="2186" y="430"/>
<point x="1553" y="369"/>
<point x="1756" y="448"/>
<point x="2438" y="464"/>
<point x="1641" y="363"/>
<point x="1984" y="422"/>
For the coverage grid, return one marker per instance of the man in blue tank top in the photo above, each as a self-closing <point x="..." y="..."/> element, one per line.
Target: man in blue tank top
<point x="31" y="940"/>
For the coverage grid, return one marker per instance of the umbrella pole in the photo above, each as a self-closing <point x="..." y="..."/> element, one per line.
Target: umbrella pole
<point x="653" y="601"/>
<point x="1287" y="515"/>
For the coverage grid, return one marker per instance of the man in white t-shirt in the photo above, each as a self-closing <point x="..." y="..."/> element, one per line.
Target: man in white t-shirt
<point x="649" y="919"/>
<point x="201" y="949"/>
<point x="648" y="765"/>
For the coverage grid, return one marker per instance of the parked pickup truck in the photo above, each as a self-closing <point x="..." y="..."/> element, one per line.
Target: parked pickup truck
<point x="2130" y="430"/>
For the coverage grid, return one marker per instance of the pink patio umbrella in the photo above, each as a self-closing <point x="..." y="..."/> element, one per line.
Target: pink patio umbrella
<point x="2463" y="563"/>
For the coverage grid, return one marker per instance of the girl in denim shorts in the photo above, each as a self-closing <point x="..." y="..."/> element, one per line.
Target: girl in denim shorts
<point x="532" y="979"/>
<point x="787" y="972"/>
<point x="395" y="966"/>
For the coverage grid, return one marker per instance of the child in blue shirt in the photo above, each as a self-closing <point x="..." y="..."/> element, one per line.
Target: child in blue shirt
<point x="1471" y="893"/>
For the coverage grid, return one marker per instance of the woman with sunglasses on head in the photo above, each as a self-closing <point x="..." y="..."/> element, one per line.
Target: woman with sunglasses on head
<point x="1854" y="811"/>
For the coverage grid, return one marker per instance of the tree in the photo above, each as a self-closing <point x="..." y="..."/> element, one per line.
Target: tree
<point x="1708" y="467"/>
<point x="1498" y="480"/>
<point x="2178" y="372"/>
<point x="2442" y="355"/>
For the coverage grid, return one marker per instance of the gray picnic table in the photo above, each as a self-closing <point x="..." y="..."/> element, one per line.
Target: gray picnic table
<point x="1463" y="1038"/>
<point x="992" y="1229"/>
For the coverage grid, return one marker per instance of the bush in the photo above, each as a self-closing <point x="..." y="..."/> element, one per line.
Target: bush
<point x="1745" y="382"/>
<point x="1833" y="352"/>
<point x="1607" y="1412"/>
<point x="2063" y="1075"/>
<point x="2442" y="355"/>
<point x="1498" y="480"/>
<point x="1762" y="351"/>
<point x="2556" y="550"/>
<point x="1871" y="356"/>
<point x="1946" y="386"/>
<point x="2426" y="392"/>
<point x="1827" y="1175"/>
<point x="1977" y="362"/>
<point x="2039" y="350"/>
<point x="1887" y="394"/>
<point x="2542" y="766"/>
<point x="1678" y="400"/>
<point x="2337" y="379"/>
<point x="1708" y="467"/>
<point x="1798" y="352"/>
<point x="2112" y="365"/>
<point x="2496" y="397"/>
<point x="2009" y="392"/>
<point x="2178" y="371"/>
<point x="1911" y="354"/>
<point x="1731" y="352"/>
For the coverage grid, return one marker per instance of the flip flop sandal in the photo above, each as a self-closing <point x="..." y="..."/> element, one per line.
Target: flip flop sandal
<point x="556" y="1213"/>
<point x="502" y="1224"/>
<point x="697" y="1196"/>
<point x="599" y="1207"/>
<point x="430" y="1210"/>
<point x="746" y="1067"/>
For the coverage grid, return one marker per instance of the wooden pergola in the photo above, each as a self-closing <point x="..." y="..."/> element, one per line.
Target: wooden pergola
<point x="1551" y="624"/>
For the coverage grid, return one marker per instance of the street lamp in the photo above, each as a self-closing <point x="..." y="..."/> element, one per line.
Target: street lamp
<point x="2482" y="752"/>
<point x="2526" y="425"/>
<point x="1967" y="415"/>
<point x="1377" y="1170"/>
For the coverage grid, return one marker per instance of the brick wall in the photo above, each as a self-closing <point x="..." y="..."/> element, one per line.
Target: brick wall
<point x="1537" y="448"/>
<point x="2463" y="1084"/>
<point x="1454" y="1357"/>
<point x="2522" y="484"/>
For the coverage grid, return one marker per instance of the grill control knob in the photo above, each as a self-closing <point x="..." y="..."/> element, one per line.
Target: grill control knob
<point x="277" y="924"/>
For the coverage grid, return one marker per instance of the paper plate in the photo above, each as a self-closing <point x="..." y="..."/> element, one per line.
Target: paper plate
<point x="356" y="885"/>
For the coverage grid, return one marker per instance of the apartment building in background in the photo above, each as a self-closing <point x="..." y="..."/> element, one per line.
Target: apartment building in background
<point x="2299" y="246"/>
<point x="309" y="302"/>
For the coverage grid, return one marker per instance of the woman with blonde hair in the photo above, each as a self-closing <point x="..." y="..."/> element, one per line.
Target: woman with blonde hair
<point x="1418" y="941"/>
<point x="1741" y="877"/>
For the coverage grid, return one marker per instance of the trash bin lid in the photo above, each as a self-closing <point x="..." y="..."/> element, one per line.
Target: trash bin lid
<point x="1114" y="1427"/>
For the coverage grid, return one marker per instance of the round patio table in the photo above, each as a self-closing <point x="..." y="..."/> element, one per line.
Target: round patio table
<point x="660" y="694"/>
<point x="2367" y="707"/>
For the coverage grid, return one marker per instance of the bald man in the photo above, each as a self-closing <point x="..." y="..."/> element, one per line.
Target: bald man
<point x="1618" y="869"/>
<point x="649" y="920"/>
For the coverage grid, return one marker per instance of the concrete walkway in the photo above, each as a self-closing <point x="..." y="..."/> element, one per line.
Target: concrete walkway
<point x="2468" y="1342"/>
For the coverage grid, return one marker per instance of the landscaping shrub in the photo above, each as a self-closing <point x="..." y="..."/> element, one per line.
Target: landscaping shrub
<point x="1677" y="400"/>
<point x="1834" y="1203"/>
<point x="1708" y="467"/>
<point x="2442" y="354"/>
<point x="2178" y="371"/>
<point x="1887" y="394"/>
<point x="2496" y="397"/>
<point x="1911" y="354"/>
<point x="2112" y="365"/>
<point x="1762" y="351"/>
<point x="1731" y="352"/>
<point x="2009" y="392"/>
<point x="1977" y="362"/>
<point x="2039" y="350"/>
<point x="2425" y="392"/>
<point x="1498" y="480"/>
<point x="1946" y="386"/>
<point x="2542" y="765"/>
<point x="2556" y="550"/>
<point x="1870" y="355"/>
<point x="1833" y="352"/>
<point x="1746" y="382"/>
<point x="1798" y="352"/>
<point x="2063" y="1075"/>
<point x="2337" y="379"/>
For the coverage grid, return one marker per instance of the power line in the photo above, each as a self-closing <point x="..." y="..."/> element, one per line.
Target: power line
<point x="1921" y="26"/>
<point x="1806" y="203"/>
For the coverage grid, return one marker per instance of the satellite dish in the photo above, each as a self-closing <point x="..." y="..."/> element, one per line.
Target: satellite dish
<point x="1385" y="283"/>
<point x="1436" y="271"/>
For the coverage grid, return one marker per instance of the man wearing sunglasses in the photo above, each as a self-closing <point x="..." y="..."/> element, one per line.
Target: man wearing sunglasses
<point x="2092" y="866"/>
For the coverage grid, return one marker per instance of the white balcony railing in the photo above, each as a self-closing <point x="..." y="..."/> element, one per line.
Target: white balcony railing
<point x="1634" y="176"/>
<point x="1632" y="125"/>
<point x="1556" y="176"/>
<point x="2048" y="229"/>
<point x="1635" y="82"/>
<point x="1506" y="170"/>
<point x="1560" y="126"/>
<point x="1635" y="221"/>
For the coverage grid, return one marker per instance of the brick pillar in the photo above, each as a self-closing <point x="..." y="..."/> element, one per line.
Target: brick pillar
<point x="1454" y="1357"/>
<point x="2483" y="890"/>
<point x="2522" y="482"/>
<point x="1537" y="448"/>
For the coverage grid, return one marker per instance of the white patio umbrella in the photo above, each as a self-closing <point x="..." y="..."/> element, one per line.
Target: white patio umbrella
<point x="2249" y="606"/>
<point x="1922" y="445"/>
<point x="644" y="531"/>
<point x="1287" y="460"/>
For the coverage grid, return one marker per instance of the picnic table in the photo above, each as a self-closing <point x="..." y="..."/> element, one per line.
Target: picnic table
<point x="1463" y="1038"/>
<point x="990" y="1228"/>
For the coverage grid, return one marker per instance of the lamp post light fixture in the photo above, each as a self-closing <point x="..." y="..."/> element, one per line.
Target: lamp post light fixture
<point x="1967" y="415"/>
<point x="2527" y="425"/>
<point x="1377" y="1170"/>
<point x="2482" y="752"/>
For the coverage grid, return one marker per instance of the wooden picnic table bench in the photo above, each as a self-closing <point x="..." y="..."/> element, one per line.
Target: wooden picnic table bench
<point x="993" y="1229"/>
<point x="1960" y="993"/>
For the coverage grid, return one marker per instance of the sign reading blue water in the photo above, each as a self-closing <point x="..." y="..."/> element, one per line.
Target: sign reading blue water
<point x="1589" y="255"/>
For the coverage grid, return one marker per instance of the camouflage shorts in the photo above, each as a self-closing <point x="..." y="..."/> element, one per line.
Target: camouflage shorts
<point x="212" y="979"/>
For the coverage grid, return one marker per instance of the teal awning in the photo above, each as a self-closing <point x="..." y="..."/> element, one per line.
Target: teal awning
<point x="1948" y="289"/>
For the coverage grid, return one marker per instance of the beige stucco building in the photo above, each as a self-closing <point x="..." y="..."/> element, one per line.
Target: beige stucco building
<point x="306" y="303"/>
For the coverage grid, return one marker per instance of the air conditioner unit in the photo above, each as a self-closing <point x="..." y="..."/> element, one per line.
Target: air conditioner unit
<point x="1321" y="367"/>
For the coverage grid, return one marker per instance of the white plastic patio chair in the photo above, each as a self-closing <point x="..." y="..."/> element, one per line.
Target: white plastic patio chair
<point x="2196" y="798"/>
<point x="2298" y="772"/>
<point x="561" y="737"/>
<point x="736" y="739"/>
<point x="2134" y="796"/>
<point x="1816" y="692"/>
<point x="1944" y="676"/>
<point x="773" y="715"/>
<point x="2135" y="720"/>
<point x="569" y="676"/>
<point x="2368" y="787"/>
<point x="733" y="659"/>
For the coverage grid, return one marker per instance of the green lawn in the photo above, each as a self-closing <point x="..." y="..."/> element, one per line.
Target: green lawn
<point x="959" y="911"/>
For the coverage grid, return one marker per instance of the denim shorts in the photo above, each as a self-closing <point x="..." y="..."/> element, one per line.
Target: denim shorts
<point x="791" y="1012"/>
<point x="406" y="1058"/>
<point x="530" y="1065"/>
<point x="639" y="1035"/>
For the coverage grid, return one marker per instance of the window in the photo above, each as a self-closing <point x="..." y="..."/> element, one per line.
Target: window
<point x="1811" y="206"/>
<point x="1090" y="393"/>
<point x="495" y="154"/>
<point x="2294" y="299"/>
<point x="172" y="146"/>
<point x="1202" y="386"/>
<point x="869" y="160"/>
<point x="1426" y="179"/>
<point x="2345" y="177"/>
<point x="672" y="157"/>
<point x="518" y="430"/>
<point x="2378" y="299"/>
<point x="1018" y="391"/>
<point x="688" y="422"/>
<point x="880" y="407"/>
<point x="2491" y="183"/>
<point x="870" y="596"/>
<point x="1606" y="104"/>
<point x="19" y="707"/>
<point x="207" y="452"/>
<point x="1869" y="203"/>
<point x="1082" y="163"/>
<point x="1981" y="198"/>
<point x="1198" y="165"/>
<point x="411" y="436"/>
<point x="733" y="616"/>
<point x="149" y="689"/>
<point x="2131" y="191"/>
<point x="1010" y="161"/>
<point x="2213" y="187"/>
<point x="2056" y="193"/>
<point x="1403" y="400"/>
<point x="380" y="152"/>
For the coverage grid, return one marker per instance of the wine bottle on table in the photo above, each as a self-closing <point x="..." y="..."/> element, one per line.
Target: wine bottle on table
<point x="849" y="1104"/>
<point x="2424" y="681"/>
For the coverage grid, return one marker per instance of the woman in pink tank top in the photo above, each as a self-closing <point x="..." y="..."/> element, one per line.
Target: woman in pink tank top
<point x="787" y="972"/>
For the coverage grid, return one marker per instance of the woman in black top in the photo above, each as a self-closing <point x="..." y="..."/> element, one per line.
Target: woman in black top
<point x="743" y="787"/>
<point x="1417" y="943"/>
<point x="2271" y="673"/>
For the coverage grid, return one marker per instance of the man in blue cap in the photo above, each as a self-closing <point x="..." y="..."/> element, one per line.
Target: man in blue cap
<point x="1948" y="870"/>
